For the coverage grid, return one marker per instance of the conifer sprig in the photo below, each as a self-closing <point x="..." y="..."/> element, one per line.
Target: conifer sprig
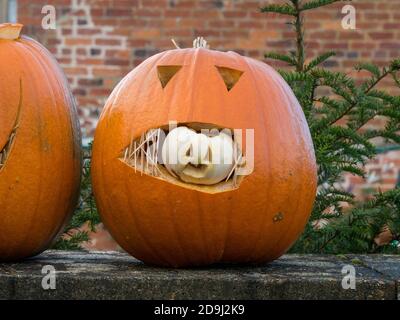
<point x="342" y="140"/>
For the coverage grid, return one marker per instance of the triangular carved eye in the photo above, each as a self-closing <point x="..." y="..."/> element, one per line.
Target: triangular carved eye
<point x="165" y="73"/>
<point x="230" y="76"/>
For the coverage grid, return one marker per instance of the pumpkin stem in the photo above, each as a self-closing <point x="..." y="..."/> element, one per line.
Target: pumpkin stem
<point x="200" y="42"/>
<point x="10" y="31"/>
<point x="175" y="44"/>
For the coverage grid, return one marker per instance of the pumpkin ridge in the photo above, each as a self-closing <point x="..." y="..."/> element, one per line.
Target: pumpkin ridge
<point x="261" y="227"/>
<point x="74" y="133"/>
<point x="153" y="251"/>
<point x="178" y="238"/>
<point x="121" y="87"/>
<point x="99" y="149"/>
<point x="39" y="188"/>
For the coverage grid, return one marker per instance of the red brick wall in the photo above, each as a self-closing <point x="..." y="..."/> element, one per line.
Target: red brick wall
<point x="97" y="42"/>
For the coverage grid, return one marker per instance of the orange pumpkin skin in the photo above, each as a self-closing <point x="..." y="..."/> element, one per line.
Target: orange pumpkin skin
<point x="40" y="178"/>
<point x="164" y="224"/>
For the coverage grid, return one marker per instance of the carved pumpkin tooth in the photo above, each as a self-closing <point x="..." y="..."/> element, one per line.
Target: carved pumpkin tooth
<point x="197" y="158"/>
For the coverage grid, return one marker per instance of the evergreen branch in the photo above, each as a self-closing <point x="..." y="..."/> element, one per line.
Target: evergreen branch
<point x="281" y="57"/>
<point x="395" y="65"/>
<point x="85" y="212"/>
<point x="292" y="77"/>
<point x="285" y="9"/>
<point x="373" y="69"/>
<point x="385" y="97"/>
<point x="330" y="239"/>
<point x="394" y="68"/>
<point x="298" y="23"/>
<point x="371" y="85"/>
<point x="396" y="79"/>
<point x="72" y="241"/>
<point x="322" y="58"/>
<point x="331" y="103"/>
<point x="342" y="148"/>
<point x="318" y="3"/>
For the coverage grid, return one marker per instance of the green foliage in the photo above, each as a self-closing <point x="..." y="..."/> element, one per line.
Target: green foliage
<point x="282" y="9"/>
<point x="339" y="149"/>
<point x="345" y="147"/>
<point x="73" y="242"/>
<point x="86" y="212"/>
<point x="314" y="4"/>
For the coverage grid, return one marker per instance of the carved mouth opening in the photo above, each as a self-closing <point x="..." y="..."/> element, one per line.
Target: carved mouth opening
<point x="198" y="156"/>
<point x="6" y="150"/>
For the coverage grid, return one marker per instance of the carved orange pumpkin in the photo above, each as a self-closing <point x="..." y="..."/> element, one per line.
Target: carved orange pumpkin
<point x="194" y="210"/>
<point x="40" y="157"/>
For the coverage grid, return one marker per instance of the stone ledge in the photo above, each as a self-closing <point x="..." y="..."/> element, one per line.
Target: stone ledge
<point x="111" y="275"/>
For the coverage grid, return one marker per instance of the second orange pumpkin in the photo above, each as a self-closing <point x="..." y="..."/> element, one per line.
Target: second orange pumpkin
<point x="195" y="213"/>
